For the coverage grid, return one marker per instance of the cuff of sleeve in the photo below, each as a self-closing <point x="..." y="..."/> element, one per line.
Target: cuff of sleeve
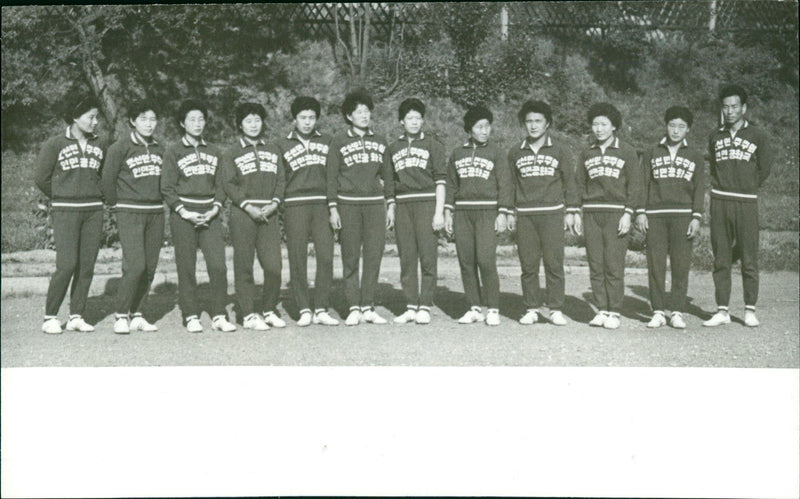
<point x="389" y="201"/>
<point x="628" y="210"/>
<point x="449" y="207"/>
<point x="331" y="204"/>
<point x="441" y="182"/>
<point x="178" y="208"/>
<point x="243" y="204"/>
<point x="218" y="204"/>
<point x="640" y="211"/>
<point x="277" y="200"/>
<point x="506" y="211"/>
<point x="573" y="210"/>
<point x="697" y="215"/>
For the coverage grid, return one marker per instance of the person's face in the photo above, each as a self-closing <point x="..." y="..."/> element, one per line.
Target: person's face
<point x="360" y="116"/>
<point x="412" y="122"/>
<point x="602" y="128"/>
<point x="145" y="123"/>
<point x="87" y="122"/>
<point x="732" y="109"/>
<point x="305" y="121"/>
<point x="251" y="125"/>
<point x="194" y="123"/>
<point x="536" y="125"/>
<point x="677" y="130"/>
<point x="481" y="130"/>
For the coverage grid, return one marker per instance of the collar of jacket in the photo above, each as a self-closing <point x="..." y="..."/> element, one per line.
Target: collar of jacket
<point x="245" y="144"/>
<point x="665" y="141"/>
<point x="725" y="127"/>
<point x="474" y="143"/>
<point x="547" y="143"/>
<point x="352" y="134"/>
<point x="296" y="136"/>
<point x="613" y="145"/>
<point x="139" y="141"/>
<point x="186" y="143"/>
<point x="404" y="136"/>
<point x="89" y="136"/>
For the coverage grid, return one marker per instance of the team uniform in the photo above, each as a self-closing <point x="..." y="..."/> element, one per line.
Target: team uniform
<point x="69" y="175"/>
<point x="541" y="180"/>
<point x="609" y="184"/>
<point x="306" y="215"/>
<point x="479" y="185"/>
<point x="191" y="179"/>
<point x="418" y="165"/>
<point x="739" y="164"/>
<point x="358" y="182"/>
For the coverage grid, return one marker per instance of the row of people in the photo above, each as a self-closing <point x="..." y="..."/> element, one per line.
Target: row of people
<point x="360" y="185"/>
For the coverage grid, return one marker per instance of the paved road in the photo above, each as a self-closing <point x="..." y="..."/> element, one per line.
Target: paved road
<point x="442" y="343"/>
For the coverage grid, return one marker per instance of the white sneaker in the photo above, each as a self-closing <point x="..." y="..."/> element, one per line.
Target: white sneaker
<point x="658" y="320"/>
<point x="121" y="325"/>
<point x="324" y="318"/>
<point x="493" y="317"/>
<point x="409" y="315"/>
<point x="305" y="319"/>
<point x="750" y="318"/>
<point x="472" y="315"/>
<point x="193" y="325"/>
<point x="423" y="316"/>
<point x="530" y="317"/>
<point x="612" y="321"/>
<point x="721" y="317"/>
<point x="272" y="319"/>
<point x="220" y="323"/>
<point x="76" y="323"/>
<point x="676" y="320"/>
<point x="372" y="317"/>
<point x="139" y="323"/>
<point x="353" y="318"/>
<point x="557" y="318"/>
<point x="599" y="319"/>
<point x="51" y="326"/>
<point x="254" y="322"/>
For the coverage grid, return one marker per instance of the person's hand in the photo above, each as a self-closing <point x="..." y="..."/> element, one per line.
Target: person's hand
<point x="390" y="216"/>
<point x="500" y="223"/>
<point x="254" y="212"/>
<point x="448" y="222"/>
<point x="577" y="224"/>
<point x="267" y="210"/>
<point x="569" y="223"/>
<point x="624" y="224"/>
<point x="438" y="222"/>
<point x="511" y="223"/>
<point x="192" y="216"/>
<point x="335" y="219"/>
<point x="213" y="212"/>
<point x="694" y="228"/>
<point x="641" y="223"/>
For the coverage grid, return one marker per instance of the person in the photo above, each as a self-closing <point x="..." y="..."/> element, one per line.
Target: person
<point x="305" y="153"/>
<point x="253" y="179"/>
<point x="131" y="185"/>
<point x="191" y="184"/>
<point x="419" y="175"/>
<point x="479" y="196"/>
<point x="609" y="190"/>
<point x="355" y="171"/>
<point x="68" y="173"/>
<point x="674" y="189"/>
<point x="740" y="158"/>
<point x="542" y="174"/>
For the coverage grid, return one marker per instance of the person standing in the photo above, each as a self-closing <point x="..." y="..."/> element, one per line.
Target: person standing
<point x="130" y="180"/>
<point x="740" y="158"/>
<point x="68" y="173"/>
<point x="674" y="189"/>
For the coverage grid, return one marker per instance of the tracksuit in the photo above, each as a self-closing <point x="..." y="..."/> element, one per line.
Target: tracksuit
<point x="541" y="180"/>
<point x="418" y="165"/>
<point x="739" y="164"/>
<point x="358" y="181"/>
<point x="69" y="175"/>
<point x="479" y="185"/>
<point x="674" y="189"/>
<point x="306" y="215"/>
<point x="191" y="178"/>
<point x="131" y="186"/>
<point x="609" y="184"/>
<point x="253" y="174"/>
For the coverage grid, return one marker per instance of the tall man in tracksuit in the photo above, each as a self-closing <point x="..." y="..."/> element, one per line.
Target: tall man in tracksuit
<point x="542" y="174"/>
<point x="419" y="175"/>
<point x="674" y="188"/>
<point x="740" y="157"/>
<point x="356" y="170"/>
<point x="305" y="152"/>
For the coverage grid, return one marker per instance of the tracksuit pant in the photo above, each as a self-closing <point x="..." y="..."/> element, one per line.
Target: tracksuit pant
<point x="667" y="236"/>
<point x="261" y="239"/>
<point x="301" y="222"/>
<point x="187" y="238"/>
<point x="363" y="233"/>
<point x="417" y="243"/>
<point x="605" y="251"/>
<point x="78" y="235"/>
<point x="141" y="236"/>
<point x="541" y="237"/>
<point x="734" y="235"/>
<point x="476" y="245"/>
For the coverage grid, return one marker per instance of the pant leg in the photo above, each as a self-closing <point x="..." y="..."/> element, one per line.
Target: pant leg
<point x="374" y="236"/>
<point x="66" y="231"/>
<point x="153" y="240"/>
<point x="680" y="260"/>
<point x="614" y="261"/>
<point x="747" y="237"/>
<point x="657" y="246"/>
<point x="213" y="246"/>
<point x="243" y="236"/>
<point x="131" y="229"/>
<point x="322" y="235"/>
<point x="268" y="250"/>
<point x="91" y="236"/>
<point x="530" y="254"/>
<point x="297" y="223"/>
<point x="551" y="235"/>
<point x="350" y="240"/>
<point x="722" y="245"/>
<point x="428" y="249"/>
<point x="595" y="249"/>
<point x="407" y="247"/>
<point x="466" y="247"/>
<point x="486" y="251"/>
<point x="184" y="237"/>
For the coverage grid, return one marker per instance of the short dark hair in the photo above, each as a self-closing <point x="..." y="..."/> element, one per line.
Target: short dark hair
<point x="408" y="105"/>
<point x="474" y="114"/>
<point x="139" y="107"/>
<point x="245" y="109"/>
<point x="191" y="105"/>
<point x="305" y="103"/>
<point x="731" y="90"/>
<point x="679" y="112"/>
<point x="352" y="100"/>
<point x="535" y="106"/>
<point x="607" y="110"/>
<point x="77" y="104"/>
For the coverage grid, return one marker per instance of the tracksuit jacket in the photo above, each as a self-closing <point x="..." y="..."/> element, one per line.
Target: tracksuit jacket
<point x="132" y="174"/>
<point x="478" y="178"/>
<point x="189" y="176"/>
<point x="70" y="176"/>
<point x="356" y="169"/>
<point x="304" y="168"/>
<point x="673" y="186"/>
<point x="542" y="179"/>
<point x="253" y="174"/>
<point x="739" y="165"/>
<point x="608" y="182"/>
<point x="418" y="165"/>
